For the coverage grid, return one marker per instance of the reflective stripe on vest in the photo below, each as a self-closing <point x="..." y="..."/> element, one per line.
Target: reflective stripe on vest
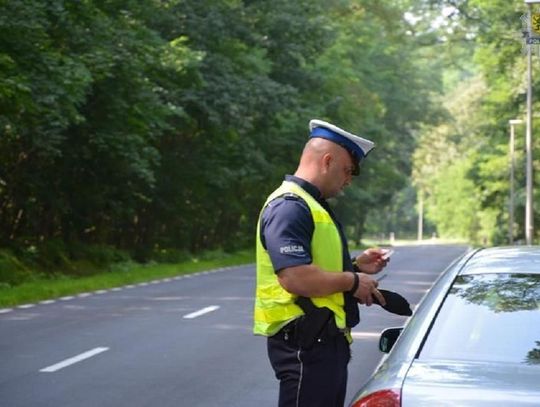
<point x="275" y="307"/>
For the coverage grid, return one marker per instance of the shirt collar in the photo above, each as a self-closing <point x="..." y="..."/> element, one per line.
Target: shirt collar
<point x="305" y="185"/>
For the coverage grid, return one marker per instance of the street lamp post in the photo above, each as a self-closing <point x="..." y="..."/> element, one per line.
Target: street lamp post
<point x="512" y="166"/>
<point x="420" y="215"/>
<point x="529" y="227"/>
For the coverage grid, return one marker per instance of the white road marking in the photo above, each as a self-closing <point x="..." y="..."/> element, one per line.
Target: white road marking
<point x="201" y="312"/>
<point x="5" y="310"/>
<point x="73" y="360"/>
<point x="26" y="306"/>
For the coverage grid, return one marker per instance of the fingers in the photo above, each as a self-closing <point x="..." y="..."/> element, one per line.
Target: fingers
<point x="380" y="297"/>
<point x="369" y="299"/>
<point x="366" y="288"/>
<point x="372" y="260"/>
<point x="367" y="292"/>
<point x="381" y="263"/>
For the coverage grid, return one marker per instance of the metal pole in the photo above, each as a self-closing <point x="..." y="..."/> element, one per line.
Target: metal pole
<point x="421" y="216"/>
<point x="528" y="206"/>
<point x="511" y="205"/>
<point x="512" y="123"/>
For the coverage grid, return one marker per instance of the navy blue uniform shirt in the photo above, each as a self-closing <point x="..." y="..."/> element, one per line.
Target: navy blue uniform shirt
<point x="286" y="232"/>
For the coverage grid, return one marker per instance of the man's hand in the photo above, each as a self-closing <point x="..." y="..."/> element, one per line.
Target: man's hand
<point x="367" y="288"/>
<point x="371" y="261"/>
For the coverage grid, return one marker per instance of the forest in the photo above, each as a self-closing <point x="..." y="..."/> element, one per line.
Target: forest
<point x="150" y="129"/>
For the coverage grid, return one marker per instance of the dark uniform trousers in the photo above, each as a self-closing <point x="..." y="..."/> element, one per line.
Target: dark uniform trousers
<point x="315" y="377"/>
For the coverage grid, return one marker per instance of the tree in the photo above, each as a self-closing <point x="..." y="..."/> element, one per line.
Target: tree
<point x="83" y="115"/>
<point x="490" y="32"/>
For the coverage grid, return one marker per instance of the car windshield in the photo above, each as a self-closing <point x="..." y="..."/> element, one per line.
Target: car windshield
<point x="488" y="317"/>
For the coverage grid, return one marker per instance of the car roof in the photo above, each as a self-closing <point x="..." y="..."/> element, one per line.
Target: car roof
<point x="511" y="259"/>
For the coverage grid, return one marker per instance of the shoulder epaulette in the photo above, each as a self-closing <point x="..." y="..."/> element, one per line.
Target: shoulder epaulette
<point x="290" y="196"/>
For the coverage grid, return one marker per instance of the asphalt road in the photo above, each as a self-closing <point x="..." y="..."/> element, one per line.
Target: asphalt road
<point x="175" y="342"/>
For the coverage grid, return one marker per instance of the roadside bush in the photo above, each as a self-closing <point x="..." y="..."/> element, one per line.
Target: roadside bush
<point x="170" y="255"/>
<point x="213" y="255"/>
<point x="98" y="255"/>
<point x="52" y="257"/>
<point x="12" y="271"/>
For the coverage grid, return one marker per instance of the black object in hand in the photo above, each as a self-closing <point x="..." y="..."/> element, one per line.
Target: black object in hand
<point x="395" y="303"/>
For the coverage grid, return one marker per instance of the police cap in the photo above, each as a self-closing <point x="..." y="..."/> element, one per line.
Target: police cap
<point x="357" y="147"/>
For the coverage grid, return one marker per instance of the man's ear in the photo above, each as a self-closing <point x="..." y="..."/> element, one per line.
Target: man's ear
<point x="326" y="160"/>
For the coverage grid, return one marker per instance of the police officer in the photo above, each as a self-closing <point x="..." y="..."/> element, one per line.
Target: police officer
<point x="308" y="286"/>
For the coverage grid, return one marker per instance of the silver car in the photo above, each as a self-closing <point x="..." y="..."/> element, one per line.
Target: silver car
<point x="474" y="339"/>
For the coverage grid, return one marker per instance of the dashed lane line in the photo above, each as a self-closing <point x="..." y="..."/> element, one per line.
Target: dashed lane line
<point x="202" y="311"/>
<point x="73" y="360"/>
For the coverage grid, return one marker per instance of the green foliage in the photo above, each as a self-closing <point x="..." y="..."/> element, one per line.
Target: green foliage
<point x="377" y="84"/>
<point x="400" y="216"/>
<point x="170" y="255"/>
<point x="154" y="129"/>
<point x="12" y="270"/>
<point x="54" y="257"/>
<point x="487" y="90"/>
<point x="453" y="205"/>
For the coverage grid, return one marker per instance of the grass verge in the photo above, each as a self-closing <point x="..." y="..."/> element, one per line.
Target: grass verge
<point x="118" y="275"/>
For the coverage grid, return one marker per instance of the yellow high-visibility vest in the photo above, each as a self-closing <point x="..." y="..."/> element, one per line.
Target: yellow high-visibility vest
<point x="274" y="306"/>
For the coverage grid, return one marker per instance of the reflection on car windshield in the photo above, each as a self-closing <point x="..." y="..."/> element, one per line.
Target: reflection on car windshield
<point x="488" y="317"/>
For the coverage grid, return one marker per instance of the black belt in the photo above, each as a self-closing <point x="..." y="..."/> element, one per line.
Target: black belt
<point x="290" y="333"/>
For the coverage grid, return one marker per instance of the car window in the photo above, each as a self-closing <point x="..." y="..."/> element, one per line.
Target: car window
<point x="488" y="317"/>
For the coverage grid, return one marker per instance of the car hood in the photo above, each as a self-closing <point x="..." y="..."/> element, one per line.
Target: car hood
<point x="444" y="383"/>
